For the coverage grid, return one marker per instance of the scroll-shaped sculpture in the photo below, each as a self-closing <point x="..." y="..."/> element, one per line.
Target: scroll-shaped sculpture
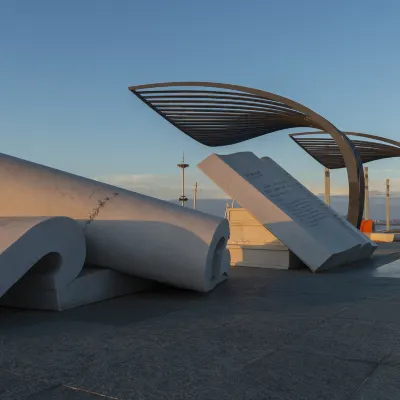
<point x="217" y="114"/>
<point x="41" y="266"/>
<point x="299" y="219"/>
<point x="57" y="244"/>
<point x="125" y="231"/>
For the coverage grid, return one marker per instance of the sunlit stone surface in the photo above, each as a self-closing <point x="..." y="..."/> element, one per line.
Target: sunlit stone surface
<point x="124" y="231"/>
<point x="298" y="218"/>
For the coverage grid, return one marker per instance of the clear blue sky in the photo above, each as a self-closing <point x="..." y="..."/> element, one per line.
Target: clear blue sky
<point x="65" y="67"/>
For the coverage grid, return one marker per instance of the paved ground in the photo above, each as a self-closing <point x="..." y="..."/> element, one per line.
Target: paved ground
<point x="265" y="334"/>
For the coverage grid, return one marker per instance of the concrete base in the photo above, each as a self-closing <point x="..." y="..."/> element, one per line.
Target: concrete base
<point x="252" y="245"/>
<point x="381" y="237"/>
<point x="261" y="256"/>
<point x="91" y="286"/>
<point x="295" y="216"/>
<point x="245" y="229"/>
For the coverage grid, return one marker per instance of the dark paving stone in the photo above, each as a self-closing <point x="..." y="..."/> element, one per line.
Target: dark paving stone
<point x="393" y="358"/>
<point x="77" y="348"/>
<point x="129" y="309"/>
<point x="383" y="384"/>
<point x="310" y="305"/>
<point x="361" y="340"/>
<point x="286" y="376"/>
<point x="235" y="367"/>
<point x="297" y="324"/>
<point x="17" y="387"/>
<point x="176" y="344"/>
<point x="262" y="332"/>
<point x="164" y="373"/>
<point x="371" y="309"/>
<point x="66" y="393"/>
<point x="252" y="338"/>
<point x="191" y="320"/>
<point x="385" y="291"/>
<point x="18" y="322"/>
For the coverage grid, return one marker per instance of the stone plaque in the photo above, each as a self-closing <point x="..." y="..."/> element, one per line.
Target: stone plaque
<point x="299" y="219"/>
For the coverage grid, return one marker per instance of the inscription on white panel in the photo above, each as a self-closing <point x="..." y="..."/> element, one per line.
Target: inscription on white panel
<point x="298" y="218"/>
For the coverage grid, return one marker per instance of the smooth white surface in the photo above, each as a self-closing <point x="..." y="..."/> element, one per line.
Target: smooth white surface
<point x="41" y="266"/>
<point x="390" y="270"/>
<point x="245" y="229"/>
<point x="252" y="245"/>
<point x="309" y="228"/>
<point x="125" y="231"/>
<point x="262" y="256"/>
<point x="58" y="243"/>
<point x="380" y="237"/>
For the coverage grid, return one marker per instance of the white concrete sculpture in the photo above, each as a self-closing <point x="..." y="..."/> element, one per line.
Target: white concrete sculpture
<point x="125" y="231"/>
<point x="55" y="248"/>
<point x="25" y="241"/>
<point x="300" y="220"/>
<point x="251" y="245"/>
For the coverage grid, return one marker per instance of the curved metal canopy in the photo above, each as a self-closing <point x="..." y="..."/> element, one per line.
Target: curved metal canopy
<point x="327" y="153"/>
<point x="217" y="114"/>
<point x="220" y="117"/>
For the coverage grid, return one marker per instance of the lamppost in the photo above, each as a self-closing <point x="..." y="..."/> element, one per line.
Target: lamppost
<point x="182" y="166"/>
<point x="195" y="195"/>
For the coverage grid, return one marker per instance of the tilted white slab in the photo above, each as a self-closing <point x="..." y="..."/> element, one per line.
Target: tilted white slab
<point x="300" y="220"/>
<point x="125" y="231"/>
<point x="42" y="266"/>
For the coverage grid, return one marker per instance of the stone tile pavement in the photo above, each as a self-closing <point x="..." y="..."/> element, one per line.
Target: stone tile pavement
<point x="264" y="334"/>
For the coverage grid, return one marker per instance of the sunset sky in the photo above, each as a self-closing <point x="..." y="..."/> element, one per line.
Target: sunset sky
<point x="66" y="66"/>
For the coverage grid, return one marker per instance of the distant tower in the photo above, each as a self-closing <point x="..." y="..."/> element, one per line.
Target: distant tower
<point x="182" y="166"/>
<point x="195" y="196"/>
<point x="366" y="201"/>
<point x="387" y="204"/>
<point x="327" y="187"/>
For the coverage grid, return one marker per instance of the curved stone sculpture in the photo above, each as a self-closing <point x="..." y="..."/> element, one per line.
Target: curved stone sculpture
<point x="217" y="114"/>
<point x="41" y="266"/>
<point x="326" y="152"/>
<point x="125" y="231"/>
<point x="55" y="246"/>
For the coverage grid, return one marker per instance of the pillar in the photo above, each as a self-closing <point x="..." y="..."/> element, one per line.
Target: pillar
<point x="366" y="203"/>
<point x="327" y="187"/>
<point x="387" y="204"/>
<point x="195" y="196"/>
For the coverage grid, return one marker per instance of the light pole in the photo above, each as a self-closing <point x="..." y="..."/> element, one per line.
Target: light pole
<point x="182" y="166"/>
<point x="327" y="187"/>
<point x="387" y="204"/>
<point x="195" y="196"/>
<point x="366" y="202"/>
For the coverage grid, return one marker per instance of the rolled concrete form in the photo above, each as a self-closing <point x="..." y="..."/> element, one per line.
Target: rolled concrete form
<point x="42" y="266"/>
<point x="54" y="246"/>
<point x="125" y="231"/>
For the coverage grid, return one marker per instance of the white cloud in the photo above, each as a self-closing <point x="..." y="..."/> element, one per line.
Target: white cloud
<point x="167" y="187"/>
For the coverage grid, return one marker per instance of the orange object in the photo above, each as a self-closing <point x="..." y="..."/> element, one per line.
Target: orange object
<point x="367" y="225"/>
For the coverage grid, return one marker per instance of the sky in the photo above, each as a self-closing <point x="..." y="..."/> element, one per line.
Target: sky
<point x="65" y="68"/>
